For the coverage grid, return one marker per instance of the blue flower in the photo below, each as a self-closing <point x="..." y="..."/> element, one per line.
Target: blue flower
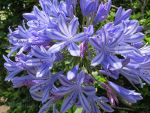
<point x="44" y="60"/>
<point x="108" y="43"/>
<point x="102" y="12"/>
<point x="88" y="7"/>
<point x="71" y="6"/>
<point x="67" y="35"/>
<point x="128" y="95"/>
<point x="13" y="68"/>
<point x="122" y="15"/>
<point x="47" y="18"/>
<point x="28" y="80"/>
<point x="22" y="39"/>
<point x="97" y="102"/>
<point x="132" y="33"/>
<point x="75" y="89"/>
<point x="41" y="90"/>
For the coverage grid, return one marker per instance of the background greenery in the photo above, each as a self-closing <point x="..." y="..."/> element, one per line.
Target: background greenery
<point x="19" y="100"/>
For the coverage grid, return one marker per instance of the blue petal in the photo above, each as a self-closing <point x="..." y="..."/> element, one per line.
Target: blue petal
<point x="128" y="95"/>
<point x="81" y="77"/>
<point x="72" y="73"/>
<point x="23" y="81"/>
<point x="29" y="16"/>
<point x="79" y="37"/>
<point x="122" y="15"/>
<point x="63" y="90"/>
<point x="55" y="35"/>
<point x="135" y="38"/>
<point x="98" y="59"/>
<point x="94" y="42"/>
<point x="74" y="49"/>
<point x="68" y="102"/>
<point x="145" y="75"/>
<point x="131" y="27"/>
<point x="85" y="104"/>
<point x="57" y="47"/>
<point x="46" y="6"/>
<point x="105" y="107"/>
<point x="131" y="75"/>
<point x="103" y="11"/>
<point x="45" y="95"/>
<point x="118" y="37"/>
<point x="113" y="74"/>
<point x="43" y="70"/>
<point x="12" y="74"/>
<point x="64" y="81"/>
<point x="46" y="107"/>
<point x="62" y="26"/>
<point x="35" y="94"/>
<point x="115" y="62"/>
<point x="89" y="90"/>
<point x="39" y="14"/>
<point x="118" y="13"/>
<point x="73" y="26"/>
<point x="36" y="51"/>
<point x="34" y="62"/>
<point x="123" y="49"/>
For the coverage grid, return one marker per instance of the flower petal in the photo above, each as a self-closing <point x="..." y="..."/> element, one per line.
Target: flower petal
<point x="124" y="49"/>
<point x="45" y="95"/>
<point x="94" y="42"/>
<point x="73" y="26"/>
<point x="44" y="69"/>
<point x="34" y="62"/>
<point x="98" y="59"/>
<point x="64" y="81"/>
<point x="63" y="26"/>
<point x="72" y="73"/>
<point x="89" y="90"/>
<point x="63" y="90"/>
<point x="68" y="102"/>
<point x="57" y="47"/>
<point x="115" y="62"/>
<point x="85" y="104"/>
<point x="45" y="107"/>
<point x="74" y="49"/>
<point x="79" y="37"/>
<point x="55" y="35"/>
<point x="135" y="38"/>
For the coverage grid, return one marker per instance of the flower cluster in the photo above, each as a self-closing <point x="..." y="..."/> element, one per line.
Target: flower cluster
<point x="53" y="33"/>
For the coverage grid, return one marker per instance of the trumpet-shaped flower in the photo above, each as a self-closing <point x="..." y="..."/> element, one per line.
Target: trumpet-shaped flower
<point x="67" y="35"/>
<point x="108" y="42"/>
<point x="88" y="6"/>
<point x="128" y="95"/>
<point x="75" y="89"/>
<point x="122" y="15"/>
<point x="102" y="12"/>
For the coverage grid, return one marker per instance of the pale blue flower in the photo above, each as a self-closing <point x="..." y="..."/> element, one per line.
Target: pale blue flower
<point x="67" y="36"/>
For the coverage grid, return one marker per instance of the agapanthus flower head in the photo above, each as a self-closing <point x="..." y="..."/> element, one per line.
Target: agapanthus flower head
<point x="61" y="56"/>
